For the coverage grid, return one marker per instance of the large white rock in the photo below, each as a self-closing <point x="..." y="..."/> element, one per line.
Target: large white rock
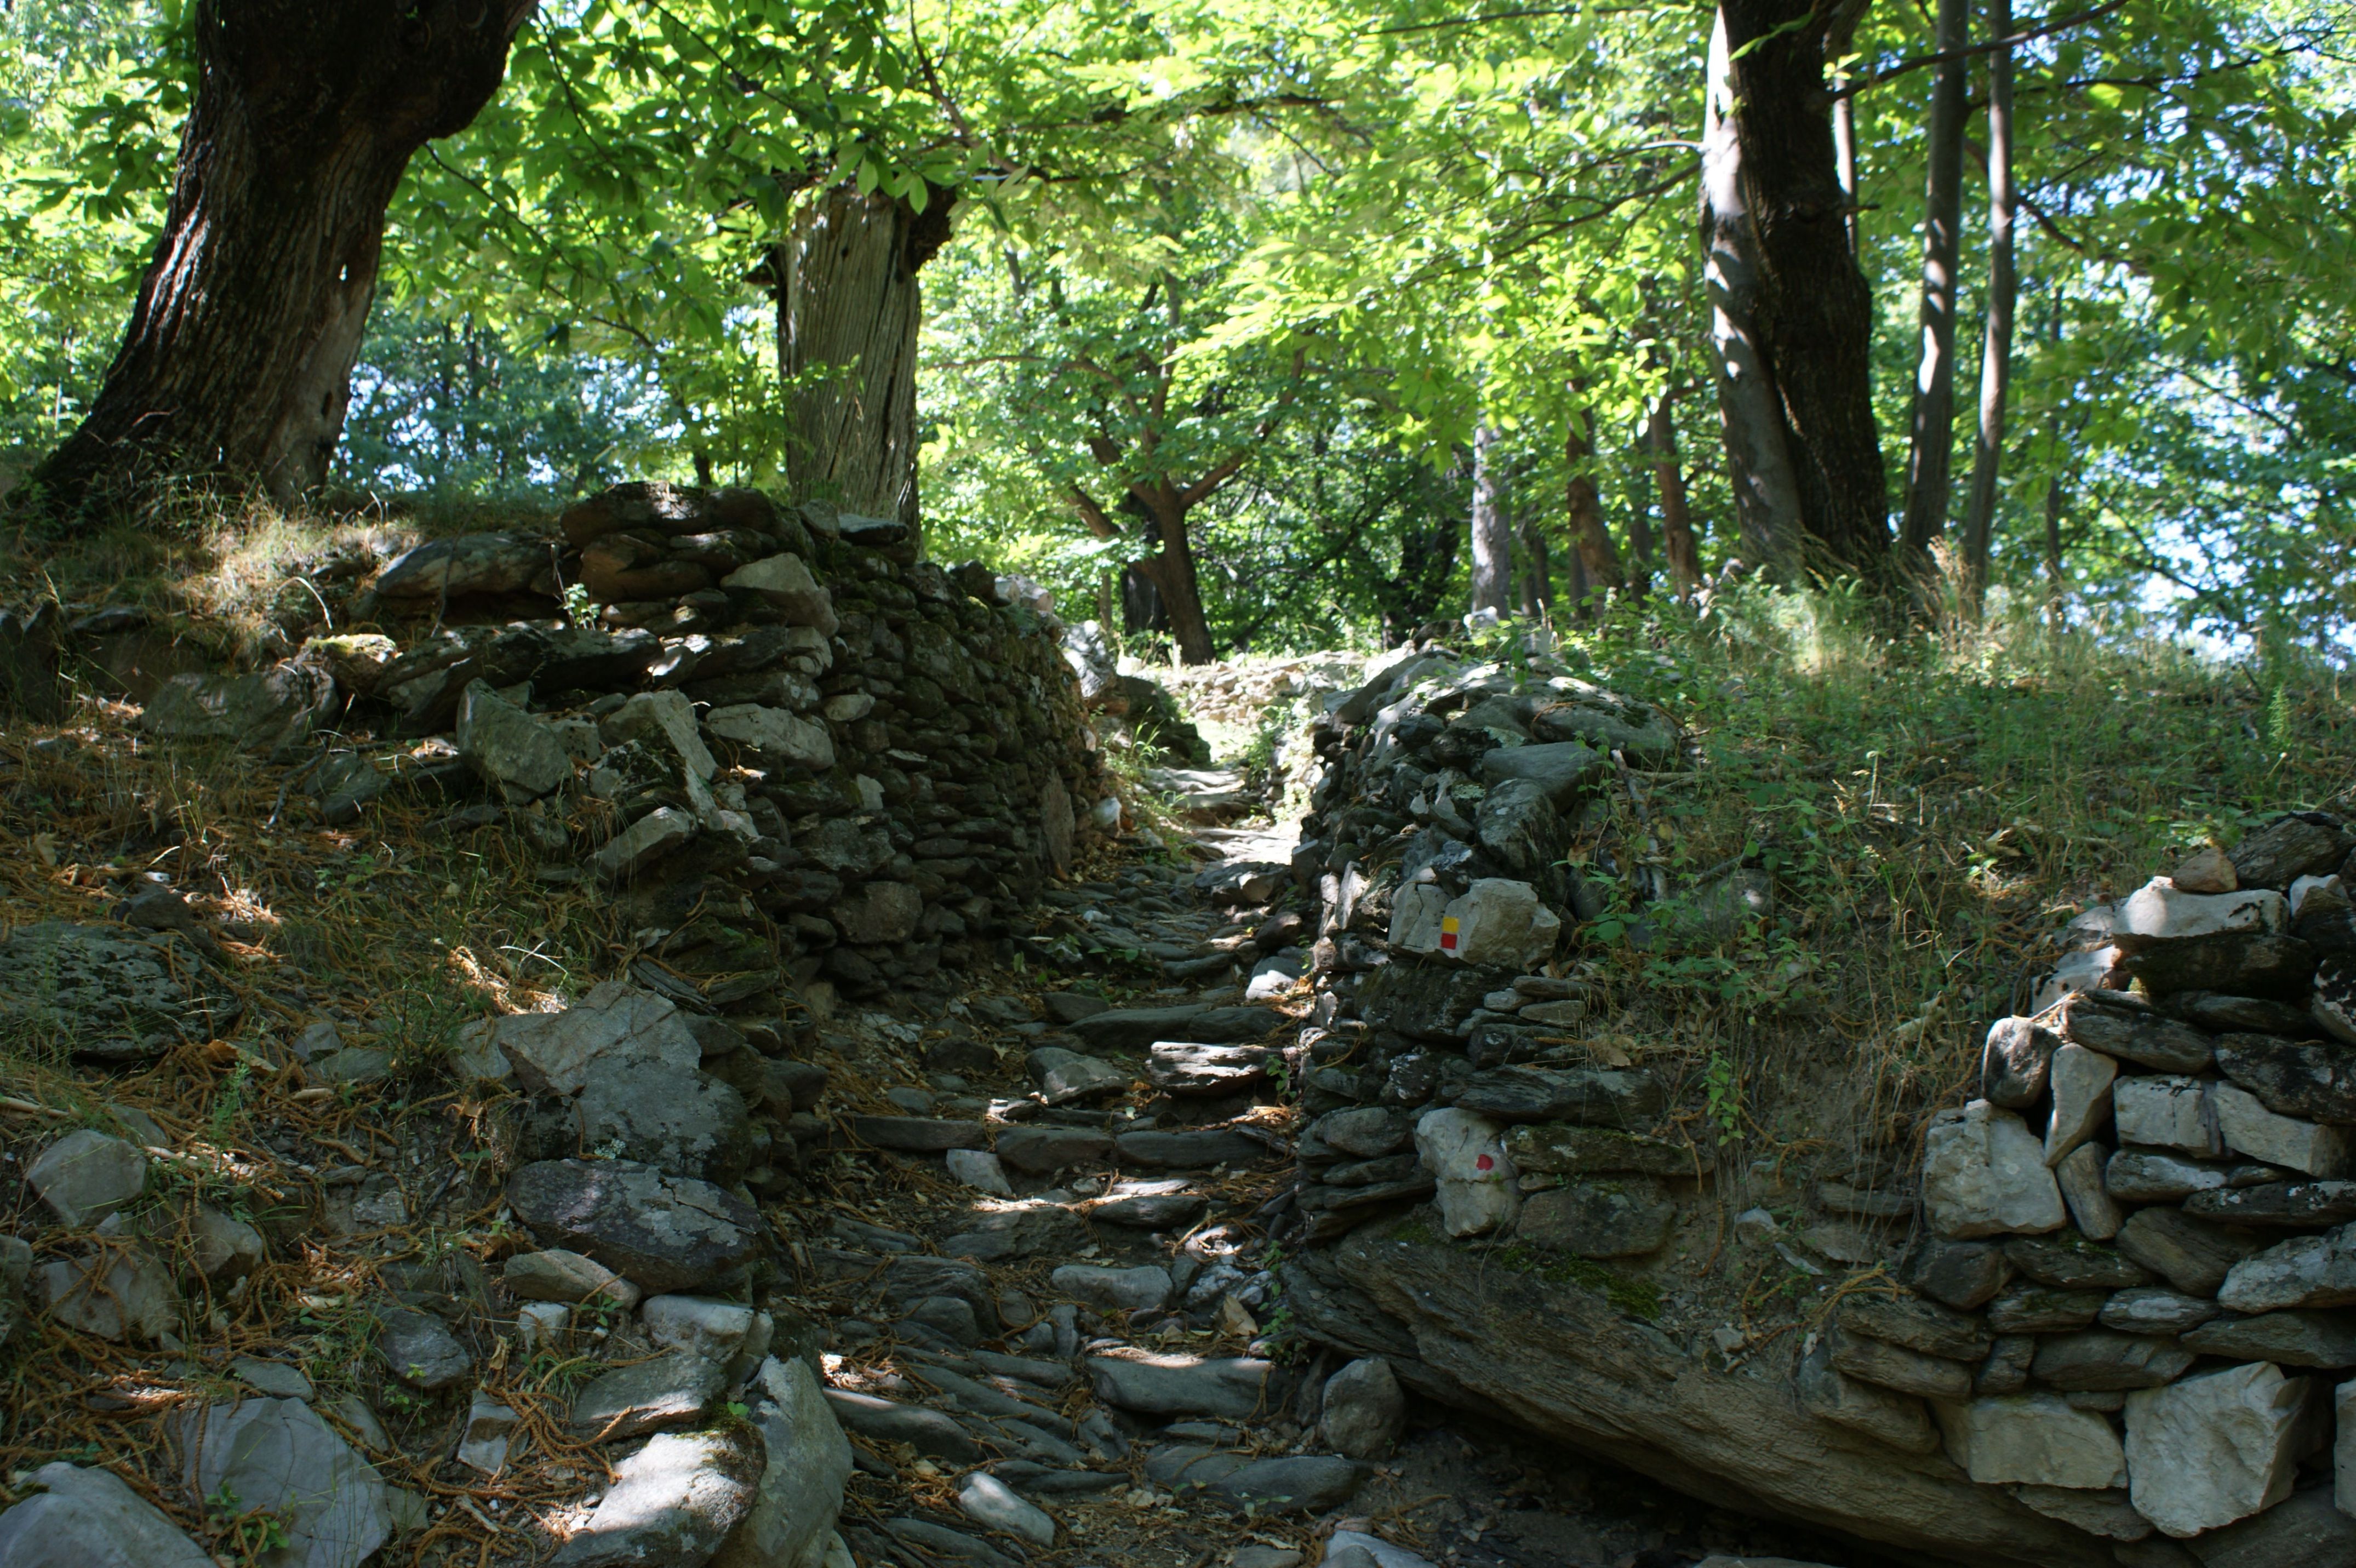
<point x="2306" y="1271"/>
<point x="88" y="1518"/>
<point x="2079" y="1081"/>
<point x="2161" y="912"/>
<point x="2248" y="1127"/>
<point x="1466" y="1155"/>
<point x="1499" y="922"/>
<point x="1416" y="914"/>
<point x="2080" y="1175"/>
<point x="2037" y="1439"/>
<point x="775" y="733"/>
<point x="784" y="581"/>
<point x="2166" y="1112"/>
<point x="1984" y="1174"/>
<point x="670" y="714"/>
<point x="2209" y="1450"/>
<point x="85" y="1176"/>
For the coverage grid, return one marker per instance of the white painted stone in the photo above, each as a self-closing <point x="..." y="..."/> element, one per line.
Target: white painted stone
<point x="1500" y="923"/>
<point x="775" y="733"/>
<point x="1466" y="1155"/>
<point x="2080" y="1176"/>
<point x="2167" y="1112"/>
<point x="2159" y="911"/>
<point x="2037" y="1439"/>
<point x="1984" y="1174"/>
<point x="2209" y="1450"/>
<point x="2079" y="1081"/>
<point x="2248" y="1127"/>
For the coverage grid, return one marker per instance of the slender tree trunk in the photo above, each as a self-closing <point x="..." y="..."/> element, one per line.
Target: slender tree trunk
<point x="1676" y="522"/>
<point x="850" y="310"/>
<point x="1995" y="345"/>
<point x="2057" y="587"/>
<point x="1931" y="439"/>
<point x="1493" y="534"/>
<point x="1537" y="575"/>
<point x="237" y="362"/>
<point x="1814" y="314"/>
<point x="1171" y="570"/>
<point x="1598" y="555"/>
<point x="1838" y="42"/>
<point x="1757" y="450"/>
<point x="1641" y="547"/>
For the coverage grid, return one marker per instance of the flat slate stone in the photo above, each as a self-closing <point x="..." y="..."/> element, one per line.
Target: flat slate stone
<point x="78" y="1518"/>
<point x="1186" y="1067"/>
<point x="1594" y="1096"/>
<point x="918" y="1134"/>
<point x="2279" y="1205"/>
<point x="2294" y="1338"/>
<point x="662" y="1232"/>
<point x="1193" y="1148"/>
<point x="1149" y="1383"/>
<point x="1135" y="1029"/>
<point x="2306" y="1078"/>
<point x="1044" y="1150"/>
<point x="1308" y="1483"/>
<point x="108" y="993"/>
<point x="670" y="1390"/>
<point x="928" y="1431"/>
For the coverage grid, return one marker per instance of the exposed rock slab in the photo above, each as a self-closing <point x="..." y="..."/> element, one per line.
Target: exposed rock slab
<point x="659" y="1232"/>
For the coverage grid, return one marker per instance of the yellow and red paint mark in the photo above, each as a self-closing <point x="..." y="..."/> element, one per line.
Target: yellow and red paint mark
<point x="1447" y="934"/>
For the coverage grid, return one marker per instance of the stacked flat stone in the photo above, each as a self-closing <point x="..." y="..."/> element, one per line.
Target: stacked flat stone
<point x="2131" y="1309"/>
<point x="1444" y="797"/>
<point x="776" y="709"/>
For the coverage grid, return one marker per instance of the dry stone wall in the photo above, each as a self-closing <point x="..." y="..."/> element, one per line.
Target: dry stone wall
<point x="2121" y="1328"/>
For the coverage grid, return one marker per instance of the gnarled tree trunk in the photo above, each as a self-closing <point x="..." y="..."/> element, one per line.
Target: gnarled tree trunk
<point x="1814" y="314"/>
<point x="236" y="365"/>
<point x="848" y="317"/>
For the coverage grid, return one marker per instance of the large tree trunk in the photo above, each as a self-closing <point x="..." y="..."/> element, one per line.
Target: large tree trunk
<point x="1814" y="315"/>
<point x="236" y="365"/>
<point x="1598" y="555"/>
<point x="1538" y="571"/>
<point x="1493" y="532"/>
<point x="1931" y="438"/>
<point x="1996" y="343"/>
<point x="1758" y="453"/>
<point x="848" y="318"/>
<point x="1676" y="520"/>
<point x="1171" y="570"/>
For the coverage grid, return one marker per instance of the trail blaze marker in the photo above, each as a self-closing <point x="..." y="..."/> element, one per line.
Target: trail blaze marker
<point x="1447" y="934"/>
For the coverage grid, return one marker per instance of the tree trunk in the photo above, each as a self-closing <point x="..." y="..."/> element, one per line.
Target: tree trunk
<point x="1538" y="576"/>
<point x="236" y="365"/>
<point x="847" y="323"/>
<point x="1814" y="314"/>
<point x="1676" y="522"/>
<point x="1171" y="570"/>
<point x="1838" y="40"/>
<point x="1758" y="452"/>
<point x="1492" y="533"/>
<point x="1931" y="438"/>
<point x="1995" y="345"/>
<point x="1598" y="555"/>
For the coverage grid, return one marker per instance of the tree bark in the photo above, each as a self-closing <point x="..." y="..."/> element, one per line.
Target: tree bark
<point x="1597" y="556"/>
<point x="236" y="365"/>
<point x="1931" y="438"/>
<point x="1676" y="521"/>
<point x="1537" y="573"/>
<point x="1996" y="343"/>
<point x="848" y="317"/>
<point x="1493" y="532"/>
<point x="1758" y="452"/>
<point x="1171" y="569"/>
<point x="1814" y="314"/>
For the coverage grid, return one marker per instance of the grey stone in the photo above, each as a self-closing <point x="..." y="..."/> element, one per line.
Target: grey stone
<point x="2070" y="1263"/>
<point x="1599" y="1217"/>
<point x="2306" y="1271"/>
<point x="1918" y="1325"/>
<point x="2160" y="912"/>
<point x="2080" y="1176"/>
<point x="2160" y="1176"/>
<point x="938" y="1540"/>
<point x="1558" y="768"/>
<point x="2212" y="1449"/>
<point x="1894" y="1367"/>
<point x="278" y="1456"/>
<point x="490" y="1429"/>
<point x="85" y="1176"/>
<point x="1045" y="1150"/>
<point x="1183" y="1067"/>
<point x="2167" y="1112"/>
<point x="677" y="1388"/>
<point x="507" y="747"/>
<point x="123" y="1293"/>
<point x="2288" y="848"/>
<point x="2191" y="1254"/>
<point x="1368" y="1132"/>
<point x="1149" y="1205"/>
<point x="1024" y="1229"/>
<point x="277" y="1379"/>
<point x="2015" y="1060"/>
<point x="2278" y="1205"/>
<point x="1149" y="1383"/>
<point x="2263" y="964"/>
<point x="2107" y="1514"/>
<point x="780" y="737"/>
<point x="2098" y="1360"/>
<point x="643" y="843"/>
<point x="1364" y="1409"/>
<point x="107" y="993"/>
<point x="271" y="712"/>
<point x="2079" y="1081"/>
<point x="2035" y="1439"/>
<point x="2290" y="1338"/>
<point x="662" y="1233"/>
<point x="806" y="1462"/>
<point x="715" y="1330"/>
<point x="2311" y="1079"/>
<point x="2124" y="1027"/>
<point x="1962" y="1275"/>
<point x="992" y="1503"/>
<point x="2303" y="1531"/>
<point x="557" y="1274"/>
<point x="1070" y="1006"/>
<point x="1141" y="1289"/>
<point x="1984" y="1174"/>
<point x="981" y="1170"/>
<point x="1064" y="1076"/>
<point x="1476" y="1182"/>
<point x="2152" y="1310"/>
<point x="2006" y="1370"/>
<point x="1883" y="1414"/>
<point x="1307" y="1484"/>
<point x="1630" y="1099"/>
<point x="2042" y="1309"/>
<point x="1193" y="1149"/>
<point x="785" y="582"/>
<point x="2248" y="1127"/>
<point x="419" y="1348"/>
<point x="671" y="1505"/>
<point x="466" y="564"/>
<point x="918" y="1134"/>
<point x="1136" y="1029"/>
<point x="1561" y="1148"/>
<point x="665" y="716"/>
<point x="612" y="1024"/>
<point x="78" y="1518"/>
<point x="926" y="1431"/>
